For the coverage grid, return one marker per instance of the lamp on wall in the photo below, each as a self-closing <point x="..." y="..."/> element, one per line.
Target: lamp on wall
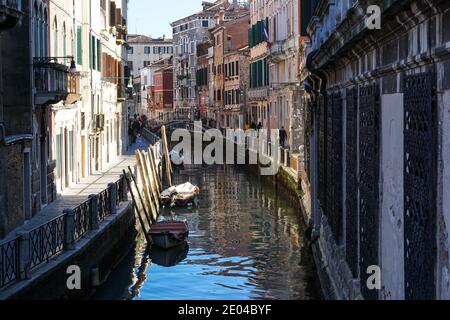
<point x="73" y="66"/>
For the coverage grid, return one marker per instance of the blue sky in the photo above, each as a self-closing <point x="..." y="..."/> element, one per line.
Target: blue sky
<point x="152" y="17"/>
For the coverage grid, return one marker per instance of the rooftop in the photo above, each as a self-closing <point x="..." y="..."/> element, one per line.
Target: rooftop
<point x="138" y="38"/>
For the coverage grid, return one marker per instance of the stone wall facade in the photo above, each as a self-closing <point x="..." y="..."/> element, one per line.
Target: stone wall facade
<point x="380" y="102"/>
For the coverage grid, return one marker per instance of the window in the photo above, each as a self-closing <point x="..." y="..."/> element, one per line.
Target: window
<point x="205" y="23"/>
<point x="146" y="50"/>
<point x="130" y="50"/>
<point x="64" y="36"/>
<point x="55" y="38"/>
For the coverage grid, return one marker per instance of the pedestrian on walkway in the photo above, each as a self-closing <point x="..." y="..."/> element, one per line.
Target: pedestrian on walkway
<point x="283" y="136"/>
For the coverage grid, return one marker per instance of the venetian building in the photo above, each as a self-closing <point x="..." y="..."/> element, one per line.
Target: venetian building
<point x="379" y="96"/>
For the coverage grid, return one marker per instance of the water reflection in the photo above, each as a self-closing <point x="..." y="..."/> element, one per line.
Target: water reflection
<point x="246" y="242"/>
<point x="169" y="258"/>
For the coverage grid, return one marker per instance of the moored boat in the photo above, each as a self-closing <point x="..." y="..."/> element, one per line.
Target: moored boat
<point x="167" y="196"/>
<point x="186" y="194"/>
<point x="169" y="234"/>
<point x="181" y="195"/>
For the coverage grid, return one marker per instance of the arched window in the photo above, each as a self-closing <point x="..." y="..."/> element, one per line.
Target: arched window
<point x="55" y="38"/>
<point x="45" y="39"/>
<point x="64" y="37"/>
<point x="41" y="31"/>
<point x="36" y="30"/>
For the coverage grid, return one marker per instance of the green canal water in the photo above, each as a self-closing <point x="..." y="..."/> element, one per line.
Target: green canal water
<point x="246" y="242"/>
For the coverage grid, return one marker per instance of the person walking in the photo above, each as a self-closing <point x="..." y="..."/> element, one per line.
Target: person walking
<point x="260" y="126"/>
<point x="283" y="136"/>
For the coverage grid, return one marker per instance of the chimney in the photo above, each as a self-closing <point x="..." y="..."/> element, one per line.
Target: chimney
<point x="217" y="18"/>
<point x="164" y="37"/>
<point x="222" y="14"/>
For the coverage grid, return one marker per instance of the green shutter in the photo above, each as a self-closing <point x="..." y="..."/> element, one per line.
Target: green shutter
<point x="99" y="55"/>
<point x="91" y="58"/>
<point x="258" y="32"/>
<point x="260" y="73"/>
<point x="94" y="50"/>
<point x="79" y="46"/>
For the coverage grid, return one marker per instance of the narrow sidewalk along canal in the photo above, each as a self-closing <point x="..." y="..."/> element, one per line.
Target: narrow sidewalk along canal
<point x="246" y="242"/>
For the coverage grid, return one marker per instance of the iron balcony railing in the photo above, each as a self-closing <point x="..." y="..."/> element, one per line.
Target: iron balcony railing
<point x="51" y="80"/>
<point x="31" y="249"/>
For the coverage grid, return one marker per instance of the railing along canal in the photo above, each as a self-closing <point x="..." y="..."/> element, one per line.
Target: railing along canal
<point x="30" y="249"/>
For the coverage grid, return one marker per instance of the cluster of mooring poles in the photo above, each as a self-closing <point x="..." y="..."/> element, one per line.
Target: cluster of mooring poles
<point x="146" y="185"/>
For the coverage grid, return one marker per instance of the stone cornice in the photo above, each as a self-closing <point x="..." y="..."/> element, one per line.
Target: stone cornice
<point x="352" y="37"/>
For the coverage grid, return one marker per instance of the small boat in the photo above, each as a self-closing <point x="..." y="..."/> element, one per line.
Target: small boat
<point x="181" y="195"/>
<point x="169" y="234"/>
<point x="186" y="194"/>
<point x="167" y="196"/>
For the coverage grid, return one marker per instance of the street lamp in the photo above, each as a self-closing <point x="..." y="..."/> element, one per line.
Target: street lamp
<point x="73" y="67"/>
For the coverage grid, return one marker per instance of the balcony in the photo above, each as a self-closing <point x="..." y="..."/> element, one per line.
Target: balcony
<point x="277" y="52"/>
<point x="121" y="38"/>
<point x="74" y="89"/>
<point x="50" y="81"/>
<point x="10" y="13"/>
<point x="258" y="93"/>
<point x="121" y="29"/>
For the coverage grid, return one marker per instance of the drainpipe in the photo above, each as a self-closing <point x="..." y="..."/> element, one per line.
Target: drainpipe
<point x="319" y="82"/>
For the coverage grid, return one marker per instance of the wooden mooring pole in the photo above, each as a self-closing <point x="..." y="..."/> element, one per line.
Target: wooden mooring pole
<point x="141" y="221"/>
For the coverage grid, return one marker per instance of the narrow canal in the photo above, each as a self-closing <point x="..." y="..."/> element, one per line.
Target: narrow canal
<point x="246" y="242"/>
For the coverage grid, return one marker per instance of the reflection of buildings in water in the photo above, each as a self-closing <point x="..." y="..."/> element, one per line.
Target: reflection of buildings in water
<point x="243" y="216"/>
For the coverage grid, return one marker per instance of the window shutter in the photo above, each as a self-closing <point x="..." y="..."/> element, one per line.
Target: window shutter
<point x="99" y="54"/>
<point x="79" y="46"/>
<point x="91" y="59"/>
<point x="104" y="64"/>
<point x="112" y="13"/>
<point x="118" y="17"/>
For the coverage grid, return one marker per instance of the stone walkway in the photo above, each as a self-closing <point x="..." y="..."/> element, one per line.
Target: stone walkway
<point x="80" y="192"/>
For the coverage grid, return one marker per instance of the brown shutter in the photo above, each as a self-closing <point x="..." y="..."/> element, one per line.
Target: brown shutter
<point x="118" y="16"/>
<point x="112" y="13"/>
<point x="104" y="64"/>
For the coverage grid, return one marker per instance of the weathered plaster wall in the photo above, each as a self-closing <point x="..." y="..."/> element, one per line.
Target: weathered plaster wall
<point x="392" y="227"/>
<point x="444" y="195"/>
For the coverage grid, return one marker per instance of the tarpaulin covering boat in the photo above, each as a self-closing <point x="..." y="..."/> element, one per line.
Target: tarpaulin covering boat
<point x="181" y="195"/>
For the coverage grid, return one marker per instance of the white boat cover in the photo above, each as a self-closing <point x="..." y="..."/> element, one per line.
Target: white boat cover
<point x="186" y="188"/>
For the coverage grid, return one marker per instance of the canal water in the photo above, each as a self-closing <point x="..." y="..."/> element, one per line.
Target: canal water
<point x="246" y="242"/>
